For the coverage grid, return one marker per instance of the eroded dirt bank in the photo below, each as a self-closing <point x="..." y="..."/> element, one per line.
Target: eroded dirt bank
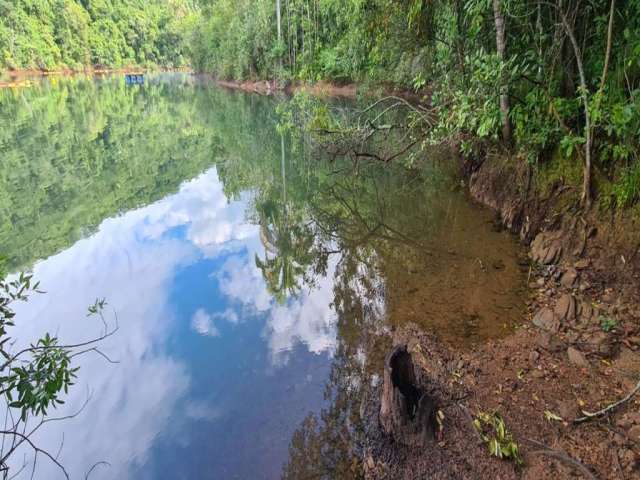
<point x="577" y="350"/>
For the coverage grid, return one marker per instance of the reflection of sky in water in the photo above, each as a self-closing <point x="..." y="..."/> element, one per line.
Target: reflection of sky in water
<point x="213" y="375"/>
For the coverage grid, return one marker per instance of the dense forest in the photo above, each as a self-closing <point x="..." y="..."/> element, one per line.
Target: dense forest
<point x="54" y="34"/>
<point x="556" y="80"/>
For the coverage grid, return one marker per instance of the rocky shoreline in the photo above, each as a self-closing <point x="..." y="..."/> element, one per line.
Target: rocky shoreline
<point x="577" y="351"/>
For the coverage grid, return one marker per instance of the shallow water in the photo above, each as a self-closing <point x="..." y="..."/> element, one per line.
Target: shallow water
<point x="254" y="286"/>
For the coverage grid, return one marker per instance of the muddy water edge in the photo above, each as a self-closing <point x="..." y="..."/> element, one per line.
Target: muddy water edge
<point x="575" y="350"/>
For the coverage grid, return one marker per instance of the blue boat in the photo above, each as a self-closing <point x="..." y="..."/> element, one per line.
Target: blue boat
<point x="134" y="78"/>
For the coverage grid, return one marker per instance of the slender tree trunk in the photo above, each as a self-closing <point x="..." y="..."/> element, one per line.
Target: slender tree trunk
<point x="584" y="94"/>
<point x="289" y="33"/>
<point x="504" y="88"/>
<point x="279" y="20"/>
<point x="540" y="35"/>
<point x="607" y="55"/>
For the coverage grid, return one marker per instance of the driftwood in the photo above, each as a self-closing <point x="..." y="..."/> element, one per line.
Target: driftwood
<point x="407" y="413"/>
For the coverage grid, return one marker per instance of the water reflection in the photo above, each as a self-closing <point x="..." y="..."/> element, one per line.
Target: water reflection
<point x="255" y="302"/>
<point x="194" y="312"/>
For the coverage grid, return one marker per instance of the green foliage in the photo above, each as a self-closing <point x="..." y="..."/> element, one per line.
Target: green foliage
<point x="49" y="34"/>
<point x="492" y="429"/>
<point x="450" y="46"/>
<point x="32" y="379"/>
<point x="608" y="323"/>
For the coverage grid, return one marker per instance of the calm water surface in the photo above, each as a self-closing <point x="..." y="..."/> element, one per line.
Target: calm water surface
<point x="254" y="285"/>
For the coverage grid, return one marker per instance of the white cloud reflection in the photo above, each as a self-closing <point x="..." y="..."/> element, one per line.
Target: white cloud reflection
<point x="132" y="260"/>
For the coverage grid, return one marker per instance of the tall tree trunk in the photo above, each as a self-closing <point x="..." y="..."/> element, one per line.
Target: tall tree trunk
<point x="504" y="88"/>
<point x="584" y="94"/>
<point x="279" y="20"/>
<point x="607" y="55"/>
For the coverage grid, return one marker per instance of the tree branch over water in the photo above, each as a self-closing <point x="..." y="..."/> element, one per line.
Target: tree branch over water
<point x="33" y="379"/>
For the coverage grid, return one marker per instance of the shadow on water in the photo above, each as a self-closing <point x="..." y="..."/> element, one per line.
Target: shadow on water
<point x="251" y="278"/>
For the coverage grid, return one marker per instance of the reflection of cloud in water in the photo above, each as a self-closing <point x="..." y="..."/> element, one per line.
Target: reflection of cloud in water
<point x="132" y="260"/>
<point x="307" y="318"/>
<point x="202" y="323"/>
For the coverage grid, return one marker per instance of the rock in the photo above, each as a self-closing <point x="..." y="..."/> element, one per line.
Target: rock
<point x="569" y="278"/>
<point x="624" y="422"/>
<point x="545" y="249"/>
<point x="577" y="358"/>
<point x="534" y="356"/>
<point x="537" y="374"/>
<point x="540" y="282"/>
<point x="628" y="459"/>
<point x="608" y="298"/>
<point x="586" y="312"/>
<point x="634" y="417"/>
<point x="599" y="341"/>
<point x="582" y="264"/>
<point x="548" y="342"/>
<point x="629" y="361"/>
<point x="634" y="433"/>
<point x="546" y="320"/>
<point x="566" y="307"/>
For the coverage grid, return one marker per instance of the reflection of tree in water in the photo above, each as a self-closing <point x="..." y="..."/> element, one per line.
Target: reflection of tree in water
<point x="331" y="444"/>
<point x="289" y="249"/>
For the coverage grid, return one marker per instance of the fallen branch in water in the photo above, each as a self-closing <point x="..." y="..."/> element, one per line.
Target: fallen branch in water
<point x="604" y="411"/>
<point x="561" y="456"/>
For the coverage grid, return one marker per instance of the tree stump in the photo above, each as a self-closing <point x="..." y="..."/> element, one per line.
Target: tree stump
<point x="407" y="413"/>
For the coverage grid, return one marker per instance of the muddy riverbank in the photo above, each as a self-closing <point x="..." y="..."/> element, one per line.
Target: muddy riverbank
<point x="577" y="350"/>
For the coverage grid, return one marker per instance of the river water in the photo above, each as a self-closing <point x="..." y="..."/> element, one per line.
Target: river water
<point x="253" y="284"/>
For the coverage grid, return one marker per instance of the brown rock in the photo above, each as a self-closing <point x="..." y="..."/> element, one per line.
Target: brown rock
<point x="581" y="264"/>
<point x="586" y="312"/>
<point x="628" y="459"/>
<point x="551" y="254"/>
<point x="537" y="374"/>
<point x="534" y="356"/>
<point x="577" y="358"/>
<point x="569" y="278"/>
<point x="566" y="307"/>
<point x="548" y="341"/>
<point x="629" y="361"/>
<point x="608" y="297"/>
<point x="634" y="417"/>
<point x="545" y="249"/>
<point x="600" y="342"/>
<point x="546" y="320"/>
<point x="634" y="433"/>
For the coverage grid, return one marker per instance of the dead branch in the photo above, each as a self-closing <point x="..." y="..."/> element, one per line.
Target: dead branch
<point x="36" y="449"/>
<point x="604" y="411"/>
<point x="561" y="456"/>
